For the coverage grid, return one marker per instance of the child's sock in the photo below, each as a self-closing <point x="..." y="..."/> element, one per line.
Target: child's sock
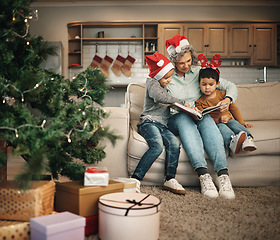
<point x="167" y="178"/>
<point x="201" y="171"/>
<point x="223" y="172"/>
<point x="136" y="177"/>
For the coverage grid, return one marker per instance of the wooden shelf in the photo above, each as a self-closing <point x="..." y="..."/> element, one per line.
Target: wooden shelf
<point x="113" y="32"/>
<point x="112" y="39"/>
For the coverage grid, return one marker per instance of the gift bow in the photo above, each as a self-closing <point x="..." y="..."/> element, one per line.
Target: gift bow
<point x="95" y="170"/>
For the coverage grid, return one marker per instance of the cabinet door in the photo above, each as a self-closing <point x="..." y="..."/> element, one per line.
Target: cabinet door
<point x="217" y="40"/>
<point x="208" y="39"/>
<point x="240" y="40"/>
<point x="167" y="31"/>
<point x="196" y="35"/>
<point x="264" y="44"/>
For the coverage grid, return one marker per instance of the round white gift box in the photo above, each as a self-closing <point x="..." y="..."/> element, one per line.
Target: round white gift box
<point x="126" y="216"/>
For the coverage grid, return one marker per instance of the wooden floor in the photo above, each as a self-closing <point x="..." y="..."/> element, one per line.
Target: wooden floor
<point x="14" y="165"/>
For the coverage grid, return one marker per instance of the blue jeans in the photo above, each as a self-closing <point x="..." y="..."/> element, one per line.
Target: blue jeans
<point x="231" y="128"/>
<point x="158" y="136"/>
<point x="197" y="135"/>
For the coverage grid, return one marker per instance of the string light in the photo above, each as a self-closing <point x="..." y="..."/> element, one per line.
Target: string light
<point x="85" y="88"/>
<point x="22" y="92"/>
<point x="30" y="17"/>
<point x="75" y="129"/>
<point x="93" y="104"/>
<point x="24" y="125"/>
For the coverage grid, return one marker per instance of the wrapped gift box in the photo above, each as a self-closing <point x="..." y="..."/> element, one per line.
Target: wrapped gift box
<point x="129" y="184"/>
<point x="58" y="226"/>
<point x="91" y="225"/>
<point x="18" y="204"/>
<point x="11" y="230"/>
<point x="129" y="216"/>
<point x="76" y="198"/>
<point x="96" y="176"/>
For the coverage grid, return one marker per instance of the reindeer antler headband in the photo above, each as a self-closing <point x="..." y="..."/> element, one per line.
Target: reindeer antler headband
<point x="215" y="62"/>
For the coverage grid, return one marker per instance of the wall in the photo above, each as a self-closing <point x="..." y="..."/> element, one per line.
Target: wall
<point x="52" y="25"/>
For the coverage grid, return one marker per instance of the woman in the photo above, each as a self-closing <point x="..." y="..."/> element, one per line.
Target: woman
<point x="196" y="136"/>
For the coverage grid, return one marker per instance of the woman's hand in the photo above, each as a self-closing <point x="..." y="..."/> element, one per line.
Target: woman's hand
<point x="225" y="108"/>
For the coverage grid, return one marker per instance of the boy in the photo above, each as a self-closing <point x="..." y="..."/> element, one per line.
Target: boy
<point x="234" y="132"/>
<point x="153" y="123"/>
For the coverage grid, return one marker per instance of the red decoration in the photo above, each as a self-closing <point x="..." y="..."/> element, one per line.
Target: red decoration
<point x="95" y="170"/>
<point x="215" y="61"/>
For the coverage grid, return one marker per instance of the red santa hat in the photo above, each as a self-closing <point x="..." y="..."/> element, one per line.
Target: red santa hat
<point x="159" y="65"/>
<point x="175" y="44"/>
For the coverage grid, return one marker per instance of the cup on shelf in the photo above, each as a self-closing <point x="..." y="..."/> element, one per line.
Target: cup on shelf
<point x="100" y="34"/>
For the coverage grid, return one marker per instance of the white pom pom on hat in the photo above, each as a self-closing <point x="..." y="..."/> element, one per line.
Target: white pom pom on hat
<point x="178" y="49"/>
<point x="176" y="43"/>
<point x="158" y="65"/>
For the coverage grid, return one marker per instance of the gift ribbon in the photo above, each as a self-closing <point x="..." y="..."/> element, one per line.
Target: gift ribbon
<point x="95" y="170"/>
<point x="136" y="203"/>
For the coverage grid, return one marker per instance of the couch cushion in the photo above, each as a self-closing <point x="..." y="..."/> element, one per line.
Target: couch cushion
<point x="135" y="100"/>
<point x="259" y="101"/>
<point x="266" y="136"/>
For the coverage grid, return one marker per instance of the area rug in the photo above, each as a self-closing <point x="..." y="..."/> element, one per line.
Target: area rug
<point x="253" y="215"/>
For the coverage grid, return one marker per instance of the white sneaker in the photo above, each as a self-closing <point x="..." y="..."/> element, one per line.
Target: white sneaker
<point x="225" y="187"/>
<point x="248" y="144"/>
<point x="172" y="185"/>
<point x="236" y="142"/>
<point x="208" y="188"/>
<point x="138" y="184"/>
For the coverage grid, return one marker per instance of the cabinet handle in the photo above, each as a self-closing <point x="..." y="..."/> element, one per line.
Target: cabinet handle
<point x="255" y="45"/>
<point x="250" y="45"/>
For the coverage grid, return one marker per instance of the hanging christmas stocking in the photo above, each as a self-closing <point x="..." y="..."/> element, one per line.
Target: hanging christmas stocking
<point x="105" y="64"/>
<point x="126" y="68"/>
<point x="96" y="61"/>
<point x="117" y="65"/>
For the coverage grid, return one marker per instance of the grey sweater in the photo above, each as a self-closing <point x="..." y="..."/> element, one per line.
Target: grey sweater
<point x="157" y="102"/>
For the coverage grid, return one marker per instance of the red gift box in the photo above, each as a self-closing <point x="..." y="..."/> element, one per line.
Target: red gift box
<point x="91" y="225"/>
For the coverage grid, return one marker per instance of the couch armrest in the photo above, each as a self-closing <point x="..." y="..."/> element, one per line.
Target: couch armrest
<point x="116" y="156"/>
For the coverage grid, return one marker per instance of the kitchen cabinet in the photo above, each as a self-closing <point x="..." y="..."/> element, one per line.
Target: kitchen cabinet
<point x="264" y="45"/>
<point x="166" y="31"/>
<point x="254" y="41"/>
<point x="240" y="40"/>
<point x="208" y="39"/>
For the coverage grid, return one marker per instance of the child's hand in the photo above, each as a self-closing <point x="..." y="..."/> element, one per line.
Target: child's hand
<point x="224" y="119"/>
<point x="196" y="109"/>
<point x="226" y="107"/>
<point x="248" y="125"/>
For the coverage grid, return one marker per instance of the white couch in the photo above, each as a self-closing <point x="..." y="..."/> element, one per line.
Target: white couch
<point x="259" y="105"/>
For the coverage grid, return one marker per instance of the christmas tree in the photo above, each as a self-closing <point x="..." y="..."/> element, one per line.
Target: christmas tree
<point x="54" y="123"/>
